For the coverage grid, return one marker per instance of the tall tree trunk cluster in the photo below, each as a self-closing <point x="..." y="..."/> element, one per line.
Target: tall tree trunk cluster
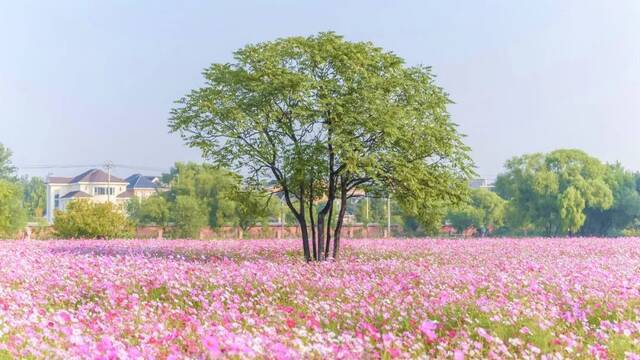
<point x="324" y="237"/>
<point x="320" y="237"/>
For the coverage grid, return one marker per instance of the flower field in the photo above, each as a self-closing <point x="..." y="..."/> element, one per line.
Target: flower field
<point x="455" y="299"/>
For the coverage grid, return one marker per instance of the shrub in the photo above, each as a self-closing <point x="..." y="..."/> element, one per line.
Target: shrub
<point x="84" y="219"/>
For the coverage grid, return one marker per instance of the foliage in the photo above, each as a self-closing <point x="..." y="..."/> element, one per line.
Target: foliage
<point x="553" y="192"/>
<point x="484" y="210"/>
<point x="12" y="214"/>
<point x="625" y="209"/>
<point x="252" y="206"/>
<point x="464" y="217"/>
<point x="189" y="215"/>
<point x="493" y="207"/>
<point x="229" y="201"/>
<point x="34" y="196"/>
<point x="324" y="117"/>
<point x="571" y="210"/>
<point x="210" y="185"/>
<point x="85" y="219"/>
<point x="7" y="170"/>
<point x="154" y="210"/>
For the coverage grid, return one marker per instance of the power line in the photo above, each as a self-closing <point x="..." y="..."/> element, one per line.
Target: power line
<point x="32" y="167"/>
<point x="73" y="166"/>
<point x="136" y="167"/>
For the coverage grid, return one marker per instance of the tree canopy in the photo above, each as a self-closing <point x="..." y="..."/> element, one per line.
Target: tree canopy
<point x="210" y="185"/>
<point x="323" y="117"/>
<point x="554" y="192"/>
<point x="189" y="216"/>
<point x="7" y="170"/>
<point x="34" y="196"/>
<point x="484" y="210"/>
<point x="12" y="214"/>
<point x="202" y="195"/>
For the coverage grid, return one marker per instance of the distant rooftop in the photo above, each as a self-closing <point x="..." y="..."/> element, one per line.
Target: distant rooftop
<point x="139" y="181"/>
<point x="76" y="194"/>
<point x="90" y="176"/>
<point x="95" y="175"/>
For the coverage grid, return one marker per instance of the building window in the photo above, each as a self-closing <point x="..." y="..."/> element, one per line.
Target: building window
<point x="56" y="201"/>
<point x="103" y="191"/>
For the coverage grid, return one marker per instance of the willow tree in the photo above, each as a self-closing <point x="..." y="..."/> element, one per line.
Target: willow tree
<point x="553" y="193"/>
<point x="324" y="117"/>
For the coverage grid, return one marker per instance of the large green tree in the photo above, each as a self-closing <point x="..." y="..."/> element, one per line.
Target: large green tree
<point x="322" y="117"/>
<point x="34" y="196"/>
<point x="625" y="209"/>
<point x="484" y="210"/>
<point x="189" y="215"/>
<point x="154" y="210"/>
<point x="210" y="185"/>
<point x="553" y="192"/>
<point x="7" y="170"/>
<point x="12" y="214"/>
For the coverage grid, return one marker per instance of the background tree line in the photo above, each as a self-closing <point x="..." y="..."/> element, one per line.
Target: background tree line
<point x="564" y="192"/>
<point x="22" y="199"/>
<point x="201" y="195"/>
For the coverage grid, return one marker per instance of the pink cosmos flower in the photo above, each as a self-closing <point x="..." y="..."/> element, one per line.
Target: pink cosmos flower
<point x="212" y="345"/>
<point x="428" y="328"/>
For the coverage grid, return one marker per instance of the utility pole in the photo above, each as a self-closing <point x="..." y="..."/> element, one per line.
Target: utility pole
<point x="366" y="209"/>
<point x="108" y="165"/>
<point x="389" y="215"/>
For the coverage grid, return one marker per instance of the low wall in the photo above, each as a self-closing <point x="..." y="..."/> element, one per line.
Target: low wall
<point x="274" y="232"/>
<point x="228" y="232"/>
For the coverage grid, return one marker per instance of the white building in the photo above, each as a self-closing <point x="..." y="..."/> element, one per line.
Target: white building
<point x="96" y="186"/>
<point x="481" y="184"/>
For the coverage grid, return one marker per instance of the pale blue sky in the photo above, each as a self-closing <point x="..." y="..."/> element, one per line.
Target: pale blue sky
<point x="89" y="81"/>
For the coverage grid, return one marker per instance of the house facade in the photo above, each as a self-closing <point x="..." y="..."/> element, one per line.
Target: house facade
<point x="482" y="184"/>
<point x="97" y="186"/>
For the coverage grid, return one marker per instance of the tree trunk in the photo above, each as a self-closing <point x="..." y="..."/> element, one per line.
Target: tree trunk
<point x="303" y="229"/>
<point x="339" y="222"/>
<point x="328" y="241"/>
<point x="313" y="228"/>
<point x="321" y="220"/>
<point x="322" y="252"/>
<point x="322" y="217"/>
<point x="299" y="215"/>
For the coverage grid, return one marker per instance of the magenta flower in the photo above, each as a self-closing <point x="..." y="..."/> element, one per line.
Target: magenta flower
<point x="212" y="345"/>
<point x="458" y="355"/>
<point x="428" y="329"/>
<point x="179" y="299"/>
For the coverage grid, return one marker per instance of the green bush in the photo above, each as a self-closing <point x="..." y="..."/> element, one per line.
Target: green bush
<point x="84" y="219"/>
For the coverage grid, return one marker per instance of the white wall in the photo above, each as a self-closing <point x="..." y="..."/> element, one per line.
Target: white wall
<point x="63" y="189"/>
